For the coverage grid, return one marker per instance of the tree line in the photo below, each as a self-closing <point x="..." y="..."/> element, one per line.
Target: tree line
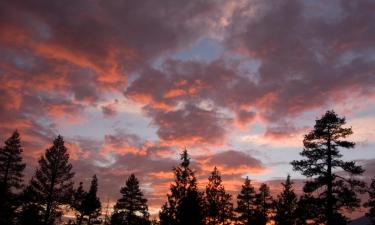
<point x="332" y="185"/>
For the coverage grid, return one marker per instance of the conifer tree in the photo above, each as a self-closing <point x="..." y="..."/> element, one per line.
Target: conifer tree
<point x="185" y="203"/>
<point x="263" y="205"/>
<point x="77" y="203"/>
<point x="167" y="214"/>
<point x="52" y="182"/>
<point x="321" y="150"/>
<point x="315" y="213"/>
<point x="286" y="205"/>
<point x="246" y="204"/>
<point x="131" y="208"/>
<point x="91" y="203"/>
<point x="11" y="177"/>
<point x="371" y="202"/>
<point x="219" y="208"/>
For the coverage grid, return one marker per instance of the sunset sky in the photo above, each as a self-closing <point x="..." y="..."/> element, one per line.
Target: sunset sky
<point x="129" y="84"/>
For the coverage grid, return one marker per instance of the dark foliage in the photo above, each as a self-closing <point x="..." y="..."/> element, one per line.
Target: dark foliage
<point x="131" y="208"/>
<point x="52" y="182"/>
<point x="309" y="209"/>
<point x="246" y="204"/>
<point x="91" y="203"/>
<point x="371" y="201"/>
<point x="219" y="207"/>
<point x="11" y="177"/>
<point x="185" y="205"/>
<point x="263" y="205"/>
<point x="30" y="211"/>
<point x="321" y="150"/>
<point x="86" y="204"/>
<point x="77" y="203"/>
<point x="286" y="205"/>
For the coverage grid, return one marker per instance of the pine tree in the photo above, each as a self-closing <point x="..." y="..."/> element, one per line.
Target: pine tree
<point x="77" y="203"/>
<point x="11" y="177"/>
<point x="286" y="205"/>
<point x="246" y="204"/>
<point x="167" y="214"/>
<point x="263" y="205"/>
<point x="314" y="213"/>
<point x="219" y="208"/>
<point x="131" y="208"/>
<point x="91" y="203"/>
<point x="321" y="148"/>
<point x="371" y="202"/>
<point x="52" y="182"/>
<point x="185" y="203"/>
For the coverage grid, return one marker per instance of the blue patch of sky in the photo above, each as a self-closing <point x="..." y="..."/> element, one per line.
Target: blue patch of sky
<point x="96" y="126"/>
<point x="23" y="60"/>
<point x="369" y="111"/>
<point x="247" y="64"/>
<point x="208" y="50"/>
<point x="204" y="49"/>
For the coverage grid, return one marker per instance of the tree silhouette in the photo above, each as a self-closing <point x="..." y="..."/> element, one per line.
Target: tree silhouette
<point x="30" y="211"/>
<point x="132" y="208"/>
<point x="321" y="148"/>
<point x="185" y="203"/>
<point x="91" y="203"/>
<point x="309" y="210"/>
<point x="246" y="204"/>
<point x="86" y="204"/>
<point x="167" y="214"/>
<point x="77" y="203"/>
<point x="11" y="177"/>
<point x="371" y="201"/>
<point x="52" y="182"/>
<point x="286" y="205"/>
<point x="263" y="205"/>
<point x="219" y="207"/>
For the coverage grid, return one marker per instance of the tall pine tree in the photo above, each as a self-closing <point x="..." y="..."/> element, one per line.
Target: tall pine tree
<point x="52" y="182"/>
<point x="11" y="177"/>
<point x="185" y="203"/>
<point x="321" y="150"/>
<point x="246" y="204"/>
<point x="219" y="207"/>
<point x="91" y="203"/>
<point x="286" y="205"/>
<point x="263" y="205"/>
<point x="131" y="208"/>
<point x="79" y="196"/>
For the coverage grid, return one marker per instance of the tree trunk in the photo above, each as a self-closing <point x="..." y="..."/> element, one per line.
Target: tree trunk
<point x="329" y="209"/>
<point x="49" y="201"/>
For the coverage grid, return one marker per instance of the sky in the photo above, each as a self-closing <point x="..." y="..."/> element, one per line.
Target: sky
<point x="129" y="84"/>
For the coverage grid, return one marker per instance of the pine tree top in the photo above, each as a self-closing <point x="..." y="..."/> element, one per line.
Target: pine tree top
<point x="132" y="201"/>
<point x="11" y="165"/>
<point x="185" y="159"/>
<point x="54" y="175"/>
